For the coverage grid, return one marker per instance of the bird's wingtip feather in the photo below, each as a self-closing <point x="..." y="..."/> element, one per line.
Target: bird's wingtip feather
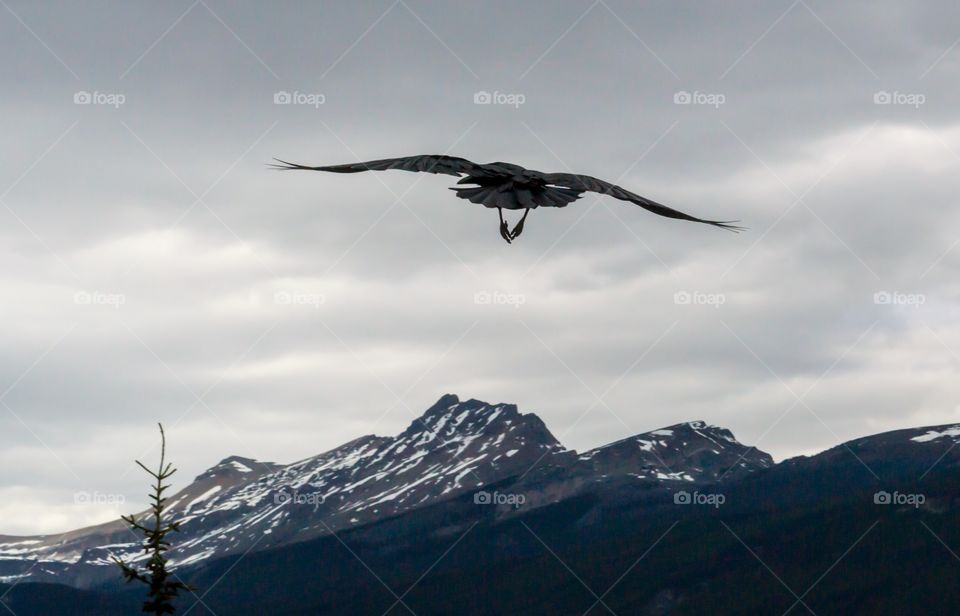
<point x="729" y="226"/>
<point x="284" y="165"/>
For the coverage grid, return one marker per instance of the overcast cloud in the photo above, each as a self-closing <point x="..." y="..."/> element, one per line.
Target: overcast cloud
<point x="155" y="270"/>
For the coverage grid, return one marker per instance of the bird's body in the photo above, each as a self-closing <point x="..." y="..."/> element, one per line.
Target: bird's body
<point x="506" y="186"/>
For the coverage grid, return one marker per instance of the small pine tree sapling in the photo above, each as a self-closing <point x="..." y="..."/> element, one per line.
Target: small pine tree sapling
<point x="162" y="589"/>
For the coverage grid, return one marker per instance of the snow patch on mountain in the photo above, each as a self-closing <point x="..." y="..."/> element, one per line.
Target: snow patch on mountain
<point x="933" y="435"/>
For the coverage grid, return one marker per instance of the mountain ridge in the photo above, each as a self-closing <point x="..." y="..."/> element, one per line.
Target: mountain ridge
<point x="454" y="450"/>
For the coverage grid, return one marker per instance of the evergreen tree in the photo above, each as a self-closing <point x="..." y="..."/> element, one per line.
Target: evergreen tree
<point x="162" y="589"/>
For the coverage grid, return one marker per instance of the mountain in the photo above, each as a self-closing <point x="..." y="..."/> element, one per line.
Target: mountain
<point x="691" y="451"/>
<point x="456" y="447"/>
<point x="477" y="509"/>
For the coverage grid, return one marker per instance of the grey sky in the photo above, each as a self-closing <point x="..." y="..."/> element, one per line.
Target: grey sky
<point x="146" y="245"/>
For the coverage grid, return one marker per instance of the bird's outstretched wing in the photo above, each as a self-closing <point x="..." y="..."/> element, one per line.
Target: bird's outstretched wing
<point x="592" y="184"/>
<point x="426" y="163"/>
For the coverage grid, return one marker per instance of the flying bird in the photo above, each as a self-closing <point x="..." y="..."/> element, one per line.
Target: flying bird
<point x="508" y="186"/>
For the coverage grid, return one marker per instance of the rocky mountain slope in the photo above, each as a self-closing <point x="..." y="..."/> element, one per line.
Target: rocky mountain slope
<point x="455" y="448"/>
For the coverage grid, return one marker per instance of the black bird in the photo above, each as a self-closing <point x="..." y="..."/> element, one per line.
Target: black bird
<point x="509" y="186"/>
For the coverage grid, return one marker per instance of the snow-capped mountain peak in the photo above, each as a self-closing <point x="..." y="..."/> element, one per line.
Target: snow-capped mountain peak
<point x="453" y="449"/>
<point x="691" y="451"/>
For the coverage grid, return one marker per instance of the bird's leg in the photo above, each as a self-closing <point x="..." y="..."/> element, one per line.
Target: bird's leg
<point x="504" y="230"/>
<point x="517" y="230"/>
